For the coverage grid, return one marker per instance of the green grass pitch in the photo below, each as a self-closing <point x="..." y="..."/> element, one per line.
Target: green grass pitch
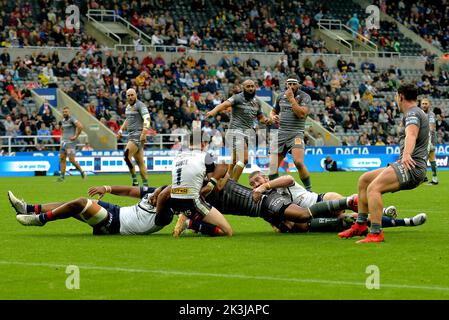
<point x="255" y="263"/>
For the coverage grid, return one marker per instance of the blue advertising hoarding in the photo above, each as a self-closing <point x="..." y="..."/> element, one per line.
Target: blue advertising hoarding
<point x="48" y="93"/>
<point x="358" y="158"/>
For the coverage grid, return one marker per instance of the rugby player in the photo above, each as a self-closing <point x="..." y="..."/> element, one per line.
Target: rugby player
<point x="405" y="174"/>
<point x="137" y="124"/>
<point x="229" y="197"/>
<point x="300" y="196"/>
<point x="103" y="217"/>
<point x="290" y="111"/>
<point x="245" y="108"/>
<point x="71" y="129"/>
<point x="185" y="195"/>
<point x="425" y="106"/>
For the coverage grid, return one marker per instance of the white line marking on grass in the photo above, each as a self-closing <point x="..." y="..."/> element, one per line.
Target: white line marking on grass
<point x="224" y="275"/>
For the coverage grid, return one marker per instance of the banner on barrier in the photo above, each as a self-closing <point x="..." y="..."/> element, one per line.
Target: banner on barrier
<point x="347" y="158"/>
<point x="27" y="166"/>
<point x="48" y="93"/>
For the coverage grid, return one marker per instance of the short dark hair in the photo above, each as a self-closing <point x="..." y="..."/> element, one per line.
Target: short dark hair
<point x="254" y="173"/>
<point x="409" y="91"/>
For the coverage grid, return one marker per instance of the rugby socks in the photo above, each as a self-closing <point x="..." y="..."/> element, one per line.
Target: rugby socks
<point x="135" y="182"/>
<point x="44" y="217"/>
<point x="328" y="207"/>
<point x="273" y="176"/>
<point x="34" y="208"/>
<point x="326" y="225"/>
<point x="145" y="182"/>
<point x="389" y="222"/>
<point x="362" y="218"/>
<point x="433" y="165"/>
<point x="375" y="227"/>
<point x="203" y="227"/>
<point x="307" y="184"/>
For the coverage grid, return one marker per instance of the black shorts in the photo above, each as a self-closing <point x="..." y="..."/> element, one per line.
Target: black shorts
<point x="193" y="208"/>
<point x="408" y="179"/>
<point x="273" y="207"/>
<point x="320" y="197"/>
<point x="111" y="225"/>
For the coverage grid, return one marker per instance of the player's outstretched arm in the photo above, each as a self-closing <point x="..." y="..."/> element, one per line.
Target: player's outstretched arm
<point x="125" y="191"/>
<point x="222" y="106"/>
<point x="281" y="182"/>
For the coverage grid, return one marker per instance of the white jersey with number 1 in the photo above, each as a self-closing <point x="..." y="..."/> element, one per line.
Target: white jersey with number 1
<point x="188" y="172"/>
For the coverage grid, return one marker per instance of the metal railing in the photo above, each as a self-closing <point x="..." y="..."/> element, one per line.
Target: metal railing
<point x="182" y="49"/>
<point x="108" y="15"/>
<point x="17" y="142"/>
<point x="102" y="27"/>
<point x="334" y="24"/>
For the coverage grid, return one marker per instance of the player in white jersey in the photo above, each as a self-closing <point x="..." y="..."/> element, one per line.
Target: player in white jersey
<point x="185" y="196"/>
<point x="103" y="217"/>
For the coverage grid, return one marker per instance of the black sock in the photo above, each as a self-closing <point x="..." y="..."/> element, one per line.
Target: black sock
<point x="307" y="184"/>
<point x="273" y="176"/>
<point x="326" y="208"/>
<point x="203" y="227"/>
<point x="326" y="225"/>
<point x="44" y="217"/>
<point x="390" y="223"/>
<point x="34" y="208"/>
<point x="433" y="165"/>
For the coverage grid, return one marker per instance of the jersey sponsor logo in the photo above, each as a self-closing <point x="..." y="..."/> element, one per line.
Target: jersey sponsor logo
<point x="180" y="190"/>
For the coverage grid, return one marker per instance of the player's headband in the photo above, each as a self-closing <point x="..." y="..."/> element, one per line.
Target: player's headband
<point x="292" y="81"/>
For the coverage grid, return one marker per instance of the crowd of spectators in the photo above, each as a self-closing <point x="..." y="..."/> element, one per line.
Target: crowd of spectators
<point x="429" y="19"/>
<point x="220" y="25"/>
<point x="182" y="91"/>
<point x="40" y="23"/>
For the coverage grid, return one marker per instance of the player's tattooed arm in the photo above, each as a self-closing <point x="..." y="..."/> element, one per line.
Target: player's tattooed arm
<point x="78" y="130"/>
<point x="281" y="182"/>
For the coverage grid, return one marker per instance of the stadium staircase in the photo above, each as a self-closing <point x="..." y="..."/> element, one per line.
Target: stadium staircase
<point x="338" y="36"/>
<point x="110" y="29"/>
<point x="343" y="9"/>
<point x="98" y="135"/>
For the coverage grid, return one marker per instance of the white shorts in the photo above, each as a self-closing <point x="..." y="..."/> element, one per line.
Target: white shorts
<point x="306" y="200"/>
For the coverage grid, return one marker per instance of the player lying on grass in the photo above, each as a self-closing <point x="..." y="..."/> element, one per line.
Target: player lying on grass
<point x="229" y="197"/>
<point x="280" y="210"/>
<point x="299" y="195"/>
<point x="103" y="217"/>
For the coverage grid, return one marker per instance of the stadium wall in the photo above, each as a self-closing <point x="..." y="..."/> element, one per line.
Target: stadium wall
<point x="99" y="136"/>
<point x="212" y="57"/>
<point x="356" y="158"/>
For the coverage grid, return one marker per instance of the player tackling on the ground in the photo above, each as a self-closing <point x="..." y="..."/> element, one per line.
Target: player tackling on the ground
<point x="290" y="110"/>
<point x="246" y="107"/>
<point x="137" y="124"/>
<point x="71" y="129"/>
<point x="425" y="106"/>
<point x="407" y="173"/>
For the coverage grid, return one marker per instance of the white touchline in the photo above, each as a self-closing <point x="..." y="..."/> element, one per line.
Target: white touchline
<point x="223" y="275"/>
